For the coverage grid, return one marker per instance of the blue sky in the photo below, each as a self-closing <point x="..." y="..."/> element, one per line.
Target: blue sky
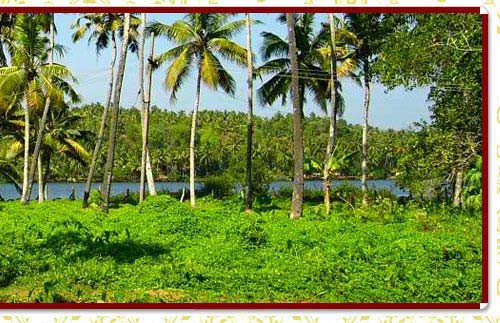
<point x="396" y="109"/>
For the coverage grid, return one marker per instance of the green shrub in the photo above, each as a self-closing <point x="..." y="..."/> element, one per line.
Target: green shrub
<point x="219" y="186"/>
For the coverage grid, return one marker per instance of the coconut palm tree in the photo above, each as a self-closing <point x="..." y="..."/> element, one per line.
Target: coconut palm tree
<point x="63" y="139"/>
<point x="249" y="191"/>
<point x="145" y="89"/>
<point x="275" y="53"/>
<point x="30" y="76"/>
<point x="369" y="31"/>
<point x="199" y="39"/>
<point x="108" y="167"/>
<point x="103" y="30"/>
<point x="338" y="47"/>
<point x="298" y="151"/>
<point x="36" y="161"/>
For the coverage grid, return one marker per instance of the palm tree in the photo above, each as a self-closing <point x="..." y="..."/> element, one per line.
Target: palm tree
<point x="103" y="29"/>
<point x="199" y="39"/>
<point x="333" y="113"/>
<point x="249" y="191"/>
<point x="62" y="139"/>
<point x="108" y="167"/>
<point x="275" y="51"/>
<point x="36" y="162"/>
<point x="146" y="170"/>
<point x="337" y="47"/>
<point x="298" y="152"/>
<point x="367" y="27"/>
<point x="30" y="76"/>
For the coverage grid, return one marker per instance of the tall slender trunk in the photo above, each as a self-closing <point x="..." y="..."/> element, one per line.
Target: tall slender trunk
<point x="104" y="121"/>
<point x="110" y="159"/>
<point x="298" y="153"/>
<point x="43" y="120"/>
<point x="149" y="85"/>
<point x="146" y="170"/>
<point x="142" y="43"/>
<point x="41" y="196"/>
<point x="457" y="196"/>
<point x="364" y="154"/>
<point x="249" y="190"/>
<point x="26" y="150"/>
<point x="333" y="115"/>
<point x="192" y="196"/>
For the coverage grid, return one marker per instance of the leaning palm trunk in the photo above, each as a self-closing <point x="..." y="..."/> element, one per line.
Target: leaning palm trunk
<point x="297" y="123"/>
<point x="249" y="191"/>
<point x="36" y="150"/>
<point x="333" y="116"/>
<point x="41" y="185"/>
<point x="108" y="167"/>
<point x="104" y="121"/>
<point x="43" y="120"/>
<point x="364" y="153"/>
<point x="192" y="193"/>
<point x="26" y="151"/>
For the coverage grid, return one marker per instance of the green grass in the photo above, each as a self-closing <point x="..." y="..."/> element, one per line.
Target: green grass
<point x="164" y="251"/>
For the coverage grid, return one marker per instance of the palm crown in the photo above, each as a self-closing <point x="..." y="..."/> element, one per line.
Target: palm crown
<point x="30" y="75"/>
<point x="313" y="55"/>
<point x="199" y="39"/>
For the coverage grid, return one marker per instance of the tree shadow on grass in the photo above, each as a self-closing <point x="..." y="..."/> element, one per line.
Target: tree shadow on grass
<point x="78" y="246"/>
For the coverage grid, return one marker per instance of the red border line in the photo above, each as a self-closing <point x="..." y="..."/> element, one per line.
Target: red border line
<point x="239" y="306"/>
<point x="228" y="306"/>
<point x="240" y="9"/>
<point x="485" y="158"/>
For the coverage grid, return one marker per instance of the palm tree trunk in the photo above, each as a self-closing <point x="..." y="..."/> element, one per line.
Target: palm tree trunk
<point x="108" y="167"/>
<point x="249" y="191"/>
<point x="333" y="115"/>
<point x="26" y="157"/>
<point x="142" y="43"/>
<point x="192" y="196"/>
<point x="149" y="84"/>
<point x="46" y="177"/>
<point x="364" y="154"/>
<point x="297" y="123"/>
<point x="146" y="170"/>
<point x="104" y="121"/>
<point x="149" y="175"/>
<point x="43" y="120"/>
<point x="40" y="180"/>
<point x="457" y="196"/>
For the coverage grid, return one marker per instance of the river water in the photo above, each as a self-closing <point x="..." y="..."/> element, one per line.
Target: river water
<point x="63" y="190"/>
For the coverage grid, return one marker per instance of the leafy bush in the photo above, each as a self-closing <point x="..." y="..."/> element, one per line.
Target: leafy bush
<point x="219" y="186"/>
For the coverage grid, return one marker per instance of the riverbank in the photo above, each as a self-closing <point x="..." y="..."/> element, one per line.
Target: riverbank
<point x="164" y="251"/>
<point x="64" y="190"/>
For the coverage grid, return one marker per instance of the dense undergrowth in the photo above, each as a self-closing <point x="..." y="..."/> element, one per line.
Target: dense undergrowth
<point x="163" y="251"/>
